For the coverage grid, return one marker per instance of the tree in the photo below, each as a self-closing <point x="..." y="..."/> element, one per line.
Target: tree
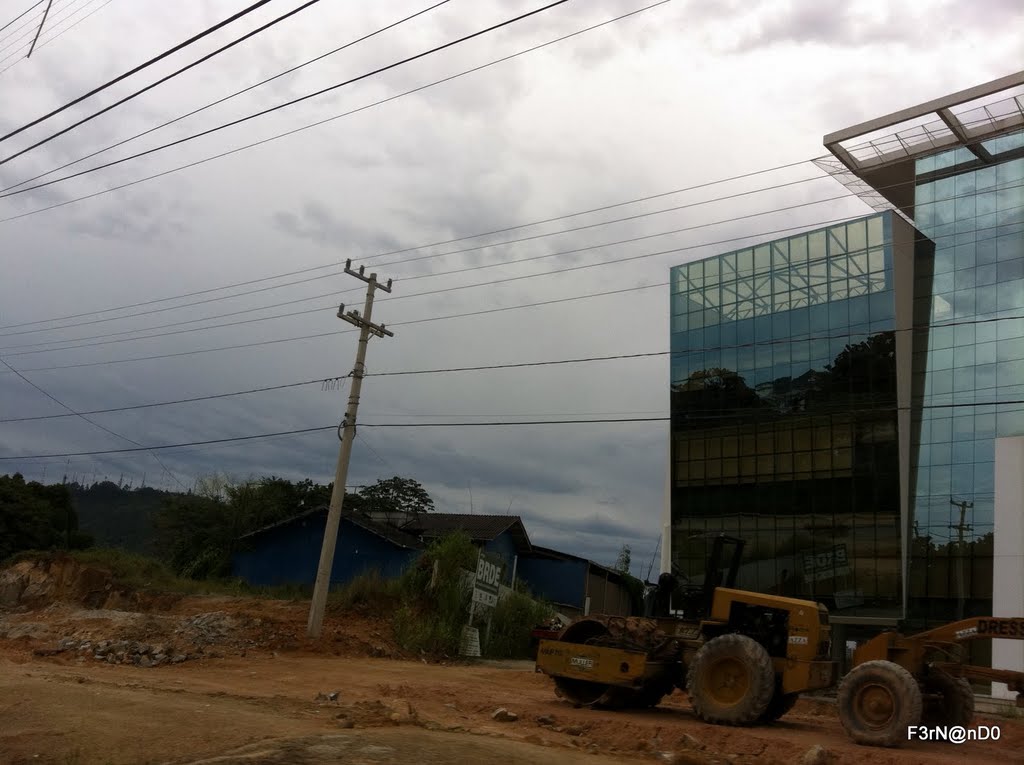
<point x="36" y="517"/>
<point x="395" y="497"/>
<point x="623" y="561"/>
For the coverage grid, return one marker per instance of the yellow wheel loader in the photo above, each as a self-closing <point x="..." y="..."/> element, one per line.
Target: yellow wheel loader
<point x="742" y="657"/>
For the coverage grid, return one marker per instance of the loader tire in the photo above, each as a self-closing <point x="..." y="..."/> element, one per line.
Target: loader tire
<point x="878" y="702"/>
<point x="780" y="704"/>
<point x="955" y="705"/>
<point x="731" y="680"/>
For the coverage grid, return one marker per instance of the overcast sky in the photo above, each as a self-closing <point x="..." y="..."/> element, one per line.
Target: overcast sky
<point x="679" y="95"/>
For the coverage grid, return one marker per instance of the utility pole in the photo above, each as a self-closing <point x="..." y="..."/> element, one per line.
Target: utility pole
<point x="348" y="428"/>
<point x="961" y="528"/>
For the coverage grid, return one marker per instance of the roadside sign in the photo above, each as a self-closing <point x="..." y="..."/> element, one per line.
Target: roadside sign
<point x="488" y="578"/>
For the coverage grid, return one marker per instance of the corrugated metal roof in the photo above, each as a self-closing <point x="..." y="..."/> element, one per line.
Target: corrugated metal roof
<point x="393" y="535"/>
<point x="481" y="528"/>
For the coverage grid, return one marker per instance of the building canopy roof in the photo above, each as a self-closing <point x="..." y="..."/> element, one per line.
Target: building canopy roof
<point x="877" y="158"/>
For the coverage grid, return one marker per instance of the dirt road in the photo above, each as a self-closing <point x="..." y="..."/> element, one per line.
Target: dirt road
<point x="57" y="710"/>
<point x="91" y="674"/>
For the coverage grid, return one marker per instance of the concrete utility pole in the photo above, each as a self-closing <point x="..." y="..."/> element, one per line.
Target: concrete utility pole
<point x="961" y="528"/>
<point x="366" y="328"/>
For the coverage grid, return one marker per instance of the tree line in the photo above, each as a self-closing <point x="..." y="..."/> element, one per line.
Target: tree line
<point x="195" y="532"/>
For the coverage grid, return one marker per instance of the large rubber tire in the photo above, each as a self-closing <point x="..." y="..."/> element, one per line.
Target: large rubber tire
<point x="878" y="702"/>
<point x="780" y="704"/>
<point x="731" y="681"/>
<point x="955" y="705"/>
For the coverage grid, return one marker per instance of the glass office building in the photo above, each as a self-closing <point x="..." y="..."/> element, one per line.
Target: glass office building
<point x="836" y="396"/>
<point x="786" y="409"/>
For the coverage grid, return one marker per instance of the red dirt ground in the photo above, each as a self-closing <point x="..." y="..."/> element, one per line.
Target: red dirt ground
<point x="253" y="689"/>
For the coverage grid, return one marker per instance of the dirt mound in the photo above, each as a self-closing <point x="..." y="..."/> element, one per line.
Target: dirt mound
<point x="36" y="583"/>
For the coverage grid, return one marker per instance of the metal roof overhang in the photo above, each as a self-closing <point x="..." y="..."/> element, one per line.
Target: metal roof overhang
<point x="882" y="152"/>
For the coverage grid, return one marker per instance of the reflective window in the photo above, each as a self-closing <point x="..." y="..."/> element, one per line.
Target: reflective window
<point x="786" y="437"/>
<point x="979" y="285"/>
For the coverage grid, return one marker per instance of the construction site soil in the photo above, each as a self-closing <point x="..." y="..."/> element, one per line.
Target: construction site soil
<point x="90" y="673"/>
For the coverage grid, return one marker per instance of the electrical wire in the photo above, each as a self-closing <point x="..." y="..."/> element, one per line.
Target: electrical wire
<point x="323" y="381"/>
<point x="135" y="70"/>
<point x="147" y="88"/>
<point x="86" y="419"/>
<point x="224" y="99"/>
<point x="421" y="258"/>
<point x="323" y="121"/>
<point x="442" y="290"/>
<point x="24" y="42"/>
<point x="469" y="249"/>
<point x="28" y="23"/>
<point x="262" y="112"/>
<point x="79" y="341"/>
<point x="325" y="428"/>
<point x="47" y="40"/>
<point x="30" y="9"/>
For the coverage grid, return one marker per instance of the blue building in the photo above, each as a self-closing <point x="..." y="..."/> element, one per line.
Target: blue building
<point x="288" y="552"/>
<point x="573" y="585"/>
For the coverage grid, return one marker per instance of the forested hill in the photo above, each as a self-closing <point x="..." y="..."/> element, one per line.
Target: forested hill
<point x="119" y="517"/>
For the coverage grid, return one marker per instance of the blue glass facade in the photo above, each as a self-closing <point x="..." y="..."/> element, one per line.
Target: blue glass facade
<point x="973" y="360"/>
<point x="785" y="396"/>
<point x="836" y="396"/>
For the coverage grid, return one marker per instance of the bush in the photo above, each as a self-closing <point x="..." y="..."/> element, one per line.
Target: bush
<point x="431" y="618"/>
<point x="513" y="619"/>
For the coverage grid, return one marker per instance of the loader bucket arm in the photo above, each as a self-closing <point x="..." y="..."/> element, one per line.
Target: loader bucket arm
<point x="975" y="628"/>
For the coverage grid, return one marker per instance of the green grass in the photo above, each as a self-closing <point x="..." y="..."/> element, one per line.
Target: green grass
<point x="369" y="591"/>
<point x="141" y="572"/>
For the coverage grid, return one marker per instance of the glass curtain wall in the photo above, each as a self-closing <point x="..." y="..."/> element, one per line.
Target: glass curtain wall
<point x="784" y="415"/>
<point x="971" y="371"/>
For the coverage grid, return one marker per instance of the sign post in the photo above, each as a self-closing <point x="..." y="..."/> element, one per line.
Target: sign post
<point x="485" y="594"/>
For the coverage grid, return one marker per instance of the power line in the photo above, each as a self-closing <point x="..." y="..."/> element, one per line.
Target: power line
<point x="139" y="68"/>
<point x="326" y="120"/>
<point x="469" y="249"/>
<point x="262" y="112"/>
<point x="494" y="423"/>
<point x="76" y="344"/>
<point x="47" y="40"/>
<point x="20" y="43"/>
<point x="225" y="98"/>
<point x="432" y="256"/>
<point x="31" y="8"/>
<point x="477" y="313"/>
<point x="447" y="370"/>
<point x="149" y="87"/>
<point x="27" y="24"/>
<point x="86" y="419"/>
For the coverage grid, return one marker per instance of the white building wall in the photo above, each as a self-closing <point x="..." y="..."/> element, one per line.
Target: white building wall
<point x="1008" y="566"/>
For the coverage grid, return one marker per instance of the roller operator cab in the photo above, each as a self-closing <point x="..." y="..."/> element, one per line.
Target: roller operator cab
<point x="742" y="657"/>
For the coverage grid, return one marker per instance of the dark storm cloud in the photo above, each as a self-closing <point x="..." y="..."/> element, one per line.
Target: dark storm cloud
<point x="632" y="109"/>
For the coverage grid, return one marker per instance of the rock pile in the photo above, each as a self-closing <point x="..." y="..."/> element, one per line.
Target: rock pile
<point x="120" y="652"/>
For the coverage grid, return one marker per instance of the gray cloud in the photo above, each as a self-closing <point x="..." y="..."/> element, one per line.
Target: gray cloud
<point x="671" y="98"/>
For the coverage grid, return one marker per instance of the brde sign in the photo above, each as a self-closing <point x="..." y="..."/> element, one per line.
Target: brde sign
<point x="488" y="578"/>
